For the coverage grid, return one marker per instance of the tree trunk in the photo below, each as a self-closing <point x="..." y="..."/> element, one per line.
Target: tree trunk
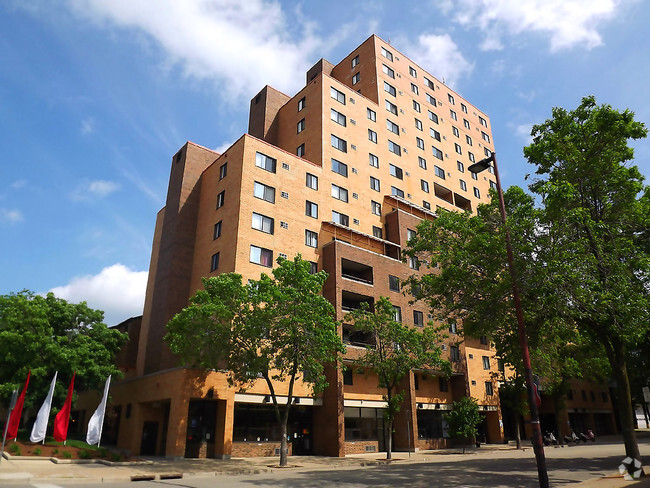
<point x="625" y="409"/>
<point x="517" y="430"/>
<point x="389" y="440"/>
<point x="284" y="448"/>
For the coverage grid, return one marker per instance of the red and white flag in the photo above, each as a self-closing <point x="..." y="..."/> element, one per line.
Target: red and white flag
<point x="62" y="418"/>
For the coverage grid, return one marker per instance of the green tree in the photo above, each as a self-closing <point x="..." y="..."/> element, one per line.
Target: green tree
<point x="276" y="328"/>
<point x="395" y="351"/>
<point x="463" y="419"/>
<point x="596" y="211"/>
<point x="45" y="334"/>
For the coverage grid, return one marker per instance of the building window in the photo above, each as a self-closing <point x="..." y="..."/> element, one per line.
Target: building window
<point x="459" y="150"/>
<point x="390" y="89"/>
<point x="460" y="166"/>
<point x="300" y="150"/>
<point x="424" y="185"/>
<point x="426" y="204"/>
<point x="223" y="171"/>
<point x="214" y="262"/>
<point x="477" y="192"/>
<point x="485" y="137"/>
<point x="410" y="234"/>
<point x="422" y="162"/>
<point x="396" y="192"/>
<point x="431" y="100"/>
<point x="486" y="362"/>
<point x="264" y="192"/>
<point x="470" y="155"/>
<point x="488" y="153"/>
<point x="392" y="126"/>
<point x="453" y="327"/>
<point x="455" y="131"/>
<point x="337" y="95"/>
<point x="337" y="117"/>
<point x="397" y="313"/>
<point x="437" y="153"/>
<point x="301" y="104"/>
<point x="372" y="115"/>
<point x="311" y="209"/>
<point x="377" y="232"/>
<point x="301" y="126"/>
<point x="418" y="124"/>
<point x="356" y="78"/>
<point x="374" y="160"/>
<point x="339" y="193"/>
<point x="483" y="340"/>
<point x="453" y="115"/>
<point x="387" y="54"/>
<point x="388" y="71"/>
<point x="443" y="384"/>
<point x="451" y="99"/>
<point x="374" y="183"/>
<point x="474" y="175"/>
<point x="482" y="121"/>
<point x="468" y="139"/>
<point x="372" y="136"/>
<point x="265" y="162"/>
<point x="221" y="199"/>
<point x="414" y="263"/>
<point x="463" y="185"/>
<point x="414" y="89"/>
<point x="439" y="172"/>
<point x="311" y="238"/>
<point x="418" y="318"/>
<point x="391" y="107"/>
<point x="412" y="72"/>
<point x="420" y="143"/>
<point x="396" y="171"/>
<point x="493" y="185"/>
<point x="394" y="148"/>
<point x="259" y="255"/>
<point x="263" y="223"/>
<point x="311" y="181"/>
<point x="339" y="143"/>
<point x="355" y="60"/>
<point x="489" y="389"/>
<point x="434" y="133"/>
<point x="433" y="117"/>
<point x="454" y="353"/>
<point x="416" y="106"/>
<point x="463" y="107"/>
<point x="313" y="267"/>
<point x="466" y="124"/>
<point x="340" y="218"/>
<point x="217" y="230"/>
<point x="348" y="376"/>
<point x="375" y="207"/>
<point x="339" y="167"/>
<point x="393" y="283"/>
<point x="429" y="83"/>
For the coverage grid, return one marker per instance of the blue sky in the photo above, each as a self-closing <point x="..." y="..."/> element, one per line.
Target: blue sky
<point x="97" y="95"/>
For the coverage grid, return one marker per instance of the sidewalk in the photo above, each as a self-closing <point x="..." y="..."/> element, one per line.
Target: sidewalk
<point x="21" y="469"/>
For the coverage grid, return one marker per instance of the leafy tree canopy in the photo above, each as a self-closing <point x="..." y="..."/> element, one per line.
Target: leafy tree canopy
<point x="45" y="334"/>
<point x="464" y="418"/>
<point x="277" y="328"/>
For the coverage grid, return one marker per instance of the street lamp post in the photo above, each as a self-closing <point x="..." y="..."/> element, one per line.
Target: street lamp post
<point x="538" y="446"/>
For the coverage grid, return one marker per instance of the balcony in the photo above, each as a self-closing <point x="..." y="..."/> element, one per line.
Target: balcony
<point x="354" y="337"/>
<point x="462" y="202"/>
<point x="443" y="193"/>
<point x="359" y="272"/>
<point x="352" y="301"/>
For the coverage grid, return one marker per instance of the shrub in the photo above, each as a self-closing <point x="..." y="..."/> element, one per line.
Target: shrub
<point x="55" y="451"/>
<point x="85" y="454"/>
<point x="37" y="451"/>
<point x="115" y="457"/>
<point x="103" y="452"/>
<point x="14" y="449"/>
<point x="67" y="455"/>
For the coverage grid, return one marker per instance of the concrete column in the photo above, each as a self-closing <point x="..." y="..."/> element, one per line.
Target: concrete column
<point x="224" y="427"/>
<point x="405" y="424"/>
<point x="329" y="429"/>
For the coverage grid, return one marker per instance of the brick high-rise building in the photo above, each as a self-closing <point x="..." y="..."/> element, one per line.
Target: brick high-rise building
<point x="341" y="172"/>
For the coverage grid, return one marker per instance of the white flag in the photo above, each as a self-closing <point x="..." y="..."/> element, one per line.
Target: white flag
<point x="94" y="434"/>
<point x="40" y="426"/>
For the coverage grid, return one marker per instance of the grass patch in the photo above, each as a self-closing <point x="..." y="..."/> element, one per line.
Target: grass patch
<point x="67" y="455"/>
<point x="38" y="451"/>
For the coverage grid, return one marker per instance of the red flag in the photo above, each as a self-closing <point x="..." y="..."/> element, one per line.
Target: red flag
<point x="63" y="417"/>
<point x="14" y="420"/>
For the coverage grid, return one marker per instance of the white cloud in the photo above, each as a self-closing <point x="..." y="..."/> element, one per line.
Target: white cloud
<point x="10" y="215"/>
<point x="88" y="190"/>
<point x="440" y="56"/>
<point x="87" y="125"/>
<point x="117" y="290"/>
<point x="237" y="43"/>
<point x="18" y="184"/>
<point x="523" y="132"/>
<point x="568" y="23"/>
